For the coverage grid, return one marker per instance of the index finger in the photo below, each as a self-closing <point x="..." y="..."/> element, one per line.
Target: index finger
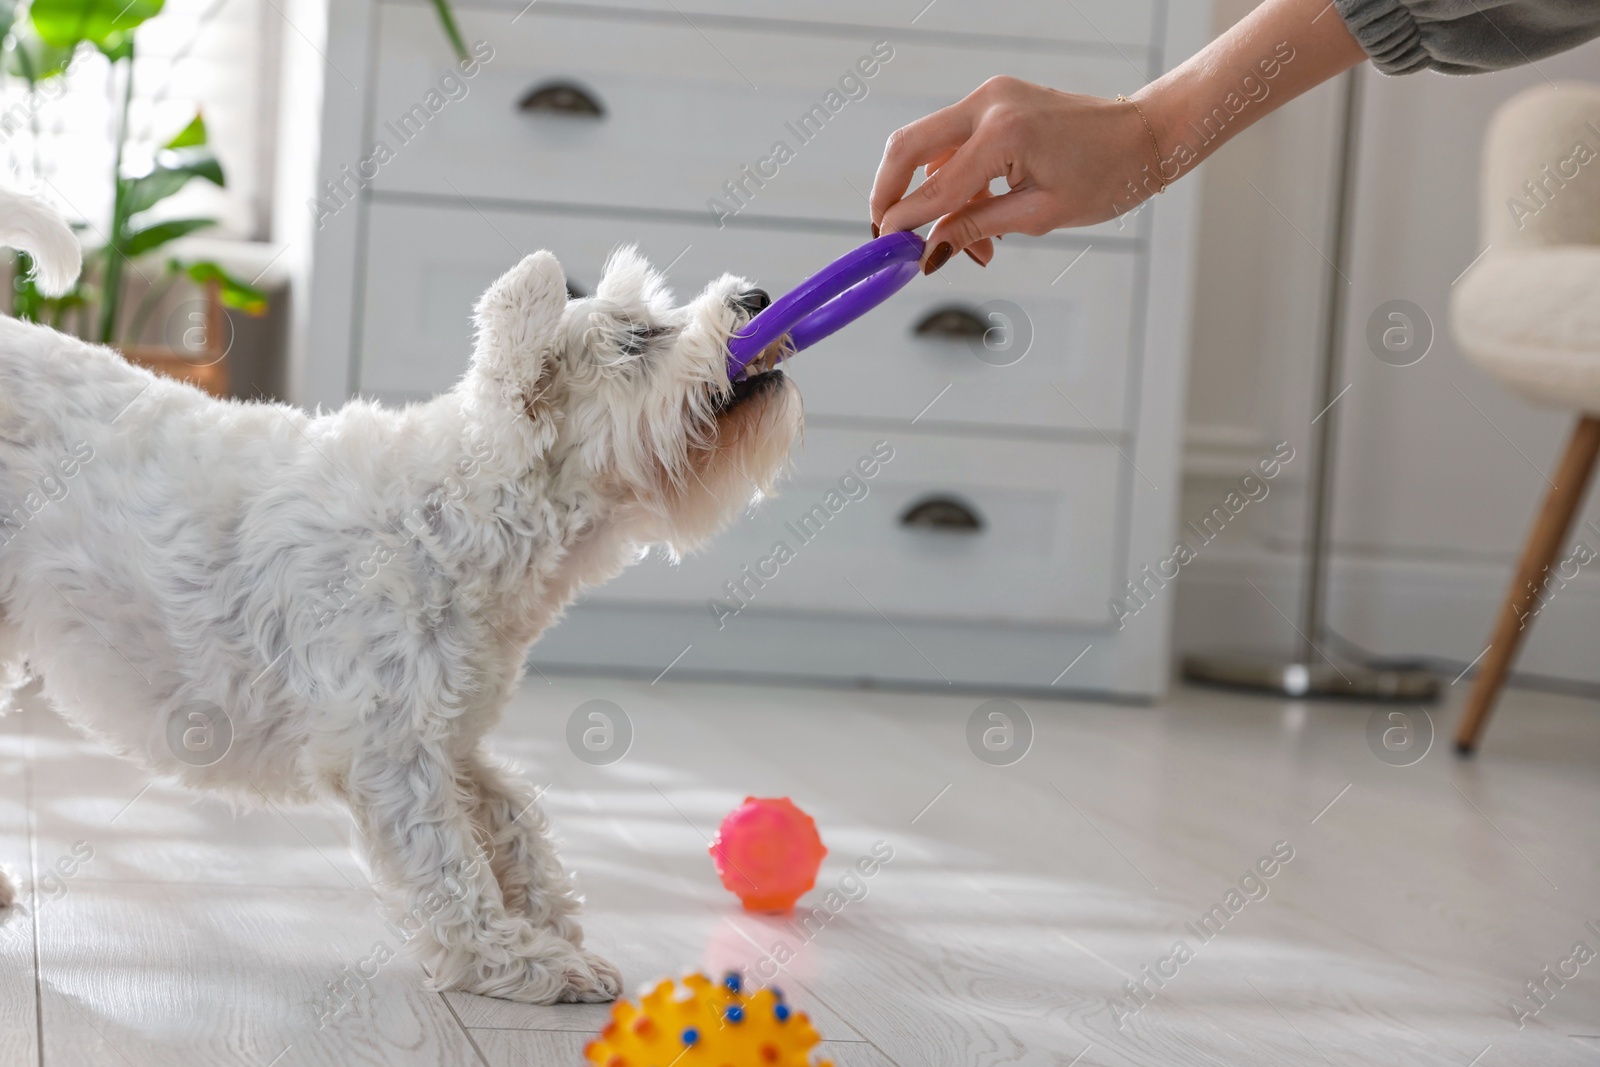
<point x="914" y="145"/>
<point x="945" y="189"/>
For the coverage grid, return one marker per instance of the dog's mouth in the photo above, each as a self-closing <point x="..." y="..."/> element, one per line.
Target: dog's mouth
<point x="769" y="358"/>
<point x="751" y="385"/>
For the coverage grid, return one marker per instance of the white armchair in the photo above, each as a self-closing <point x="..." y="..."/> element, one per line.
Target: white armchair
<point x="1528" y="312"/>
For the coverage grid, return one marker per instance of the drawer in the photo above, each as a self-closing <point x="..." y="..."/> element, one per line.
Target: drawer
<point x="1044" y="552"/>
<point x="1089" y="23"/>
<point x="679" y="125"/>
<point x="426" y="265"/>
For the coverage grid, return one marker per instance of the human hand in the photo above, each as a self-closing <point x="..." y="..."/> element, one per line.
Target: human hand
<point x="1068" y="160"/>
<point x="1077" y="160"/>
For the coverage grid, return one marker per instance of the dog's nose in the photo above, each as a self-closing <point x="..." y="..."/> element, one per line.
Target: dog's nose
<point x="754" y="300"/>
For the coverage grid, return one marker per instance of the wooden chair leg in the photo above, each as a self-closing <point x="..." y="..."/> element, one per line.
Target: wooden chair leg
<point x="1544" y="542"/>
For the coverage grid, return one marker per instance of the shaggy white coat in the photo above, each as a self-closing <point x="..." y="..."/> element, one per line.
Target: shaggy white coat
<point x="351" y="596"/>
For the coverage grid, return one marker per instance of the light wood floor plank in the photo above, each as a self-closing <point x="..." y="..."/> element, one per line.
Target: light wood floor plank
<point x="1019" y="900"/>
<point x="150" y="830"/>
<point x="1132" y="825"/>
<point x="158" y="975"/>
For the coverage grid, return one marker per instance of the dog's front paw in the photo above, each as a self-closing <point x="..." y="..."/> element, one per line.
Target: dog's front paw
<point x="565" y="975"/>
<point x="592" y="980"/>
<point x="568" y="929"/>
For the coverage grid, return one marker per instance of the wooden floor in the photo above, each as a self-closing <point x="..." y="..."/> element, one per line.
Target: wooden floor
<point x="164" y="929"/>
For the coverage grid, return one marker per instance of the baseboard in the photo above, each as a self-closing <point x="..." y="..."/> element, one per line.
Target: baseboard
<point x="1394" y="607"/>
<point x="1221" y="451"/>
<point x="651" y="641"/>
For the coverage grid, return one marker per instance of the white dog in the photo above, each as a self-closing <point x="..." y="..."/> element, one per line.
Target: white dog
<point x="279" y="606"/>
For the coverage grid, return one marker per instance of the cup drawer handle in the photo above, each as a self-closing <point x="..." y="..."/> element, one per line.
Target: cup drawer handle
<point x="942" y="514"/>
<point x="561" y="98"/>
<point x="952" y="322"/>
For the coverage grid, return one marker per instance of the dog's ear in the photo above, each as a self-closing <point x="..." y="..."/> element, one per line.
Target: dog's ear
<point x="518" y="321"/>
<point x="627" y="279"/>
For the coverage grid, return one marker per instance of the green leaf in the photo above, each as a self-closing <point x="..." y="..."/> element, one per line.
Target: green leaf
<point x="116" y="46"/>
<point x="172" y="171"/>
<point x="154" y="236"/>
<point x="27" y="303"/>
<point x="234" y="293"/>
<point x="191" y="136"/>
<point x="104" y="23"/>
<point x="447" y="18"/>
<point x="30" y="304"/>
<point x="29" y="58"/>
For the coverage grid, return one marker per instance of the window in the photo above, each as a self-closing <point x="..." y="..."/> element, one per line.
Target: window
<point x="215" y="56"/>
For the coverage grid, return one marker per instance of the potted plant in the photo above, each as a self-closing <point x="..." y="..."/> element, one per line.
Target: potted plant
<point x="40" y="41"/>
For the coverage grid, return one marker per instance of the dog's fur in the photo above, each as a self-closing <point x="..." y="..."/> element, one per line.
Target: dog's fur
<point x="358" y="591"/>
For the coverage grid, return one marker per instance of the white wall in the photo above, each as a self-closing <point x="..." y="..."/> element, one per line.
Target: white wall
<point x="1433" y="498"/>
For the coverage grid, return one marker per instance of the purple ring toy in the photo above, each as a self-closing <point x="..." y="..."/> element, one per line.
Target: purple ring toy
<point x="830" y="299"/>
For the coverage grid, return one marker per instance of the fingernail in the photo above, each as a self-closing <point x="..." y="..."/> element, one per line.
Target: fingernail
<point x="874" y="230"/>
<point x="941" y="256"/>
<point x="974" y="258"/>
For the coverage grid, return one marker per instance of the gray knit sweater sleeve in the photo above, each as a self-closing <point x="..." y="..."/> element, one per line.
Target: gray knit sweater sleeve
<point x="1467" y="36"/>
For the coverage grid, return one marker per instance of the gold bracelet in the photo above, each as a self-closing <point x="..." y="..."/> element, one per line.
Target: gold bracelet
<point x="1155" y="145"/>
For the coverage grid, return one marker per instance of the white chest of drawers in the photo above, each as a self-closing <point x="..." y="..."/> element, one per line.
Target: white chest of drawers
<point x="1026" y="484"/>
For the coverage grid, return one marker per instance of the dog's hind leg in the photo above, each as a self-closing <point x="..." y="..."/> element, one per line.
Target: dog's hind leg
<point x="414" y="814"/>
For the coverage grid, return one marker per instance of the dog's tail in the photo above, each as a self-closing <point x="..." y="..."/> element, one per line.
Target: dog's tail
<point x="30" y="225"/>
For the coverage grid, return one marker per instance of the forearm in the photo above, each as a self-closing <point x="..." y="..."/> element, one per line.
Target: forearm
<point x="1279" y="51"/>
<point x="1073" y="160"/>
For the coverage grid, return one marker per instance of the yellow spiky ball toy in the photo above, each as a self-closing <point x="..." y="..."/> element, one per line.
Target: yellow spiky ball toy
<point x="705" y="1024"/>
